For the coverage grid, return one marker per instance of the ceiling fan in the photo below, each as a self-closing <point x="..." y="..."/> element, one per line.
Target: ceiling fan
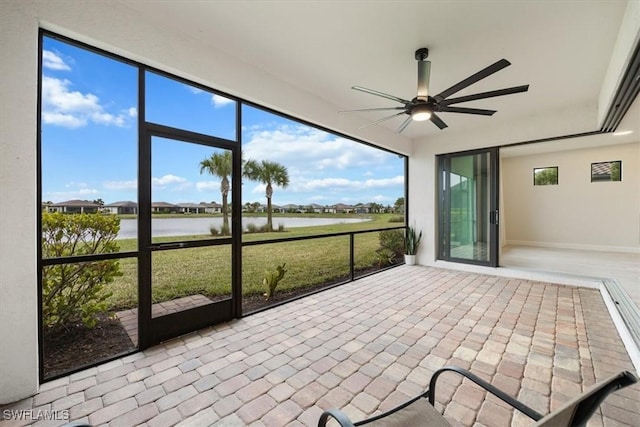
<point x="424" y="106"/>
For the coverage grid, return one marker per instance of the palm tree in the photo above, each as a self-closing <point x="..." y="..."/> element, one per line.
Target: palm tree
<point x="269" y="173"/>
<point x="220" y="165"/>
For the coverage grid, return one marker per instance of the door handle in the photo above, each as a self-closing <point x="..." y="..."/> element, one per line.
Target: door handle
<point x="493" y="217"/>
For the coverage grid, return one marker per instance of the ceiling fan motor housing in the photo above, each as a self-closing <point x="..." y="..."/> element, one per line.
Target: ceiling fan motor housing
<point x="422" y="54"/>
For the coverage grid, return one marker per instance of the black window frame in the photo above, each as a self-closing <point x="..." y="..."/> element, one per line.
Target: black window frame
<point x="557" y="182"/>
<point x="141" y="126"/>
<point x="610" y="175"/>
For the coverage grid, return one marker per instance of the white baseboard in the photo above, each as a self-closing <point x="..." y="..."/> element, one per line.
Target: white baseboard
<point x="577" y="246"/>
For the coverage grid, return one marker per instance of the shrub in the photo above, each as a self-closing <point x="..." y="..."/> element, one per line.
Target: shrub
<point x="393" y="240"/>
<point x="272" y="278"/>
<point x="385" y="256"/>
<point x="76" y="291"/>
<point x="280" y="227"/>
<point x="264" y="228"/>
<point x="252" y="228"/>
<point x="391" y="246"/>
<point x="214" y="231"/>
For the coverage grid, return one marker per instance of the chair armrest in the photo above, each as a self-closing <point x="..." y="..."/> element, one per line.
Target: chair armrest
<point x="336" y="414"/>
<point x="531" y="413"/>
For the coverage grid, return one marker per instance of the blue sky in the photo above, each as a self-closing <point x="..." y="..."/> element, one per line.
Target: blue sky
<point x="89" y="141"/>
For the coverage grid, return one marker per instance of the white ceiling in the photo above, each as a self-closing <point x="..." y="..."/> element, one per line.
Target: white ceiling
<point x="561" y="48"/>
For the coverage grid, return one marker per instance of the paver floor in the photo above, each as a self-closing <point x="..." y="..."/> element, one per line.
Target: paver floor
<point x="129" y="318"/>
<point x="364" y="347"/>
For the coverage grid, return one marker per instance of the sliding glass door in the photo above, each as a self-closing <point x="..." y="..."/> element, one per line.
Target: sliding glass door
<point x="468" y="214"/>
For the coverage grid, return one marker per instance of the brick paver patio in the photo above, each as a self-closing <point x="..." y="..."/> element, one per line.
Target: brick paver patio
<point x="364" y="347"/>
<point x="129" y="318"/>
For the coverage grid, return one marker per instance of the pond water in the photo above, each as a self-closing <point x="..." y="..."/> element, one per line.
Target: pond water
<point x="193" y="226"/>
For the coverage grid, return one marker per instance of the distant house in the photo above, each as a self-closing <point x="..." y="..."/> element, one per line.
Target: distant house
<point x="342" y="208"/>
<point x="164" y="207"/>
<point x="278" y="209"/>
<point x="211" y="208"/>
<point x="121" y="208"/>
<point x="74" y="206"/>
<point x="291" y="208"/>
<point x="362" y="209"/>
<point x="275" y="208"/>
<point x="315" y="208"/>
<point x="190" y="208"/>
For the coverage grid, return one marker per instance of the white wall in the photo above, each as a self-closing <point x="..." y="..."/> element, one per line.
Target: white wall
<point x="576" y="213"/>
<point x="18" y="298"/>
<point x="423" y="165"/>
<point x="621" y="213"/>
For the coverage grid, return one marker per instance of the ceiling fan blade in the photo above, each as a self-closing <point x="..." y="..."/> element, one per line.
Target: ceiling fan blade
<point x="486" y="72"/>
<point x="372" y="109"/>
<point x="483" y="95"/>
<point x="382" y="120"/>
<point x="438" y="121"/>
<point x="404" y="124"/>
<point x="447" y="109"/>
<point x="384" y="95"/>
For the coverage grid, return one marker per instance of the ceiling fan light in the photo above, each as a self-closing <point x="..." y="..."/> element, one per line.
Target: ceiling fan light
<point x="420" y="113"/>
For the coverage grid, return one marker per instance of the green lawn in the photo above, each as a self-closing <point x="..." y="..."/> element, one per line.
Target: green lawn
<point x="207" y="270"/>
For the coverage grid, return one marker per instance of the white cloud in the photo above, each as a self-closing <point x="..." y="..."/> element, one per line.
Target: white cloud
<point x="220" y="101"/>
<point x="260" y="189"/>
<point x="64" y="120"/>
<point x="344" y="184"/>
<point x="82" y="194"/>
<point x="56" y="94"/>
<point x="74" y="184"/>
<point x="52" y="61"/>
<point x="121" y="185"/>
<point x="167" y="180"/>
<point x="73" y="190"/>
<point x="310" y="149"/>
<point x="380" y="198"/>
<point x="72" y="109"/>
<point x="207" y="186"/>
<point x="107" y="119"/>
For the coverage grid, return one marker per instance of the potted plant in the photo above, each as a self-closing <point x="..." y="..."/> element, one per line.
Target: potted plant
<point x="411" y="244"/>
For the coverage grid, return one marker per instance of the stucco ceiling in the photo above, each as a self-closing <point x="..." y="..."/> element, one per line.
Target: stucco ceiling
<point x="561" y="48"/>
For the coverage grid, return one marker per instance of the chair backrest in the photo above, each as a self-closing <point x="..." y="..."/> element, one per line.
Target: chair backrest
<point x="577" y="411"/>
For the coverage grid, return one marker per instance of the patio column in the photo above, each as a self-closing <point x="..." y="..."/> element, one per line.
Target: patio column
<point x="18" y="264"/>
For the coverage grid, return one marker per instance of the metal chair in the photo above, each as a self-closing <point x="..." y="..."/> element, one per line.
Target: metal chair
<point x="420" y="411"/>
